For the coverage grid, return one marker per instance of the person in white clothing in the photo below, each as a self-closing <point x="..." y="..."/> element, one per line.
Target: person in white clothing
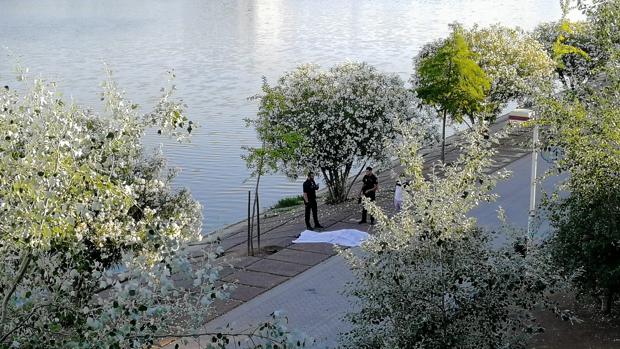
<point x="398" y="196"/>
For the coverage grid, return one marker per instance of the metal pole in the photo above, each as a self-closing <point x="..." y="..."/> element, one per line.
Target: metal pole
<point x="249" y="217"/>
<point x="258" y="221"/>
<point x="532" y="211"/>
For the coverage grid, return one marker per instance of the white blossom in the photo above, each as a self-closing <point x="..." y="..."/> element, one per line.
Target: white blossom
<point x="92" y="232"/>
<point x="343" y="116"/>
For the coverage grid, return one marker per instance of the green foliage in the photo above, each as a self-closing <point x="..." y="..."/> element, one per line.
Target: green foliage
<point x="587" y="220"/>
<point x="573" y="49"/>
<point x="281" y="144"/>
<point x="584" y="50"/>
<point x="587" y="240"/>
<point x="272" y="334"/>
<point x="583" y="121"/>
<point x="94" y="240"/>
<point x="560" y="48"/>
<point x="451" y="80"/>
<point x="289" y="202"/>
<point x="605" y="21"/>
<point x="92" y="231"/>
<point x="430" y="278"/>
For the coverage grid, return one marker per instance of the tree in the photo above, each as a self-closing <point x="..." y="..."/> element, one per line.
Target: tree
<point x="448" y="78"/>
<point x="91" y="230"/>
<point x="584" y="49"/>
<point x="572" y="48"/>
<point x="517" y="65"/>
<point x="333" y="120"/>
<point x="262" y="160"/>
<point x="94" y="240"/>
<point x="582" y="122"/>
<point x="430" y="278"/>
<point x="603" y="17"/>
<point x="586" y="222"/>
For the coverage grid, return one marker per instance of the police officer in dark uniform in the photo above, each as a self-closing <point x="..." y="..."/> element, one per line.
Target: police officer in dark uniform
<point x="310" y="188"/>
<point x="370" y="184"/>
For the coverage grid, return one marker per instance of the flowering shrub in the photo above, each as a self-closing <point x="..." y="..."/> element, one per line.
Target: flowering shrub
<point x="430" y="278"/>
<point x="330" y="120"/>
<point x="93" y="237"/>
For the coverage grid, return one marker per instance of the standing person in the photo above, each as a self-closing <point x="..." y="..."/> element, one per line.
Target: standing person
<point x="398" y="196"/>
<point x="310" y="188"/>
<point x="369" y="190"/>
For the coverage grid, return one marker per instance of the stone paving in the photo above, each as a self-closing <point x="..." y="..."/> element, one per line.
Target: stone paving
<point x="279" y="260"/>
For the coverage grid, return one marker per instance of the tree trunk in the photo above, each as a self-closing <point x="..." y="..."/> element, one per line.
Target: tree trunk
<point x="255" y="207"/>
<point x="325" y="172"/>
<point x="257" y="220"/>
<point x="443" y="138"/>
<point x="250" y="252"/>
<point x="26" y="258"/>
<point x="336" y="183"/>
<point x="338" y="190"/>
<point x="356" y="176"/>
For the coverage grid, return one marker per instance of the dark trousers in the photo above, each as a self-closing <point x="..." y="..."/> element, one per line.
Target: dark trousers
<point x="365" y="213"/>
<point x="311" y="205"/>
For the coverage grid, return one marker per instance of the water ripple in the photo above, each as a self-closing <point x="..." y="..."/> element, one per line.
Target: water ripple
<point x="220" y="50"/>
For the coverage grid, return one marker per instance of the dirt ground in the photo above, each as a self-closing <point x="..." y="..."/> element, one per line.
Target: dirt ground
<point x="597" y="331"/>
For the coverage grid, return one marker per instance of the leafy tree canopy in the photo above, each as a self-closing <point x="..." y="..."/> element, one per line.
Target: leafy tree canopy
<point x="515" y="62"/>
<point x="450" y="79"/>
<point x="583" y="50"/>
<point x="330" y="121"/>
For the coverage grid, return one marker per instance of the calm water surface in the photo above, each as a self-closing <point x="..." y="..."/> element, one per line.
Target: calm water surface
<point x="220" y="49"/>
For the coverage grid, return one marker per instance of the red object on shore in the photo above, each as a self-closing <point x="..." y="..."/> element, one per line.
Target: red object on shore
<point x="520" y="115"/>
<point x="518" y="118"/>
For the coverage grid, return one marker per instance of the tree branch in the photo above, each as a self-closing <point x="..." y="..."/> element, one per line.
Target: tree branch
<point x="6" y="335"/>
<point x="356" y="176"/>
<point x="20" y="275"/>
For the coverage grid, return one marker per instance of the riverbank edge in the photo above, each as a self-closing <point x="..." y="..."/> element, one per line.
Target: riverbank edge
<point x="233" y="228"/>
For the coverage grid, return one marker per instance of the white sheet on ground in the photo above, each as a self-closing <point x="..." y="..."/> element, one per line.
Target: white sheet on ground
<point x="342" y="237"/>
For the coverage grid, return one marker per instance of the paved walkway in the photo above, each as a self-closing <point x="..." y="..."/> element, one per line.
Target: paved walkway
<point x="313" y="301"/>
<point x="279" y="260"/>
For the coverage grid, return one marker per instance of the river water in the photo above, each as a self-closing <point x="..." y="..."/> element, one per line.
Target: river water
<point x="219" y="50"/>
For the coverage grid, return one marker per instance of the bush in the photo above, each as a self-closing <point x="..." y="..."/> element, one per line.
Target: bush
<point x="93" y="236"/>
<point x="586" y="221"/>
<point x="429" y="278"/>
<point x="289" y="202"/>
<point x="95" y="242"/>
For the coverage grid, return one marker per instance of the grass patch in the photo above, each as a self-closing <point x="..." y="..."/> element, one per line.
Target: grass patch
<point x="289" y="202"/>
